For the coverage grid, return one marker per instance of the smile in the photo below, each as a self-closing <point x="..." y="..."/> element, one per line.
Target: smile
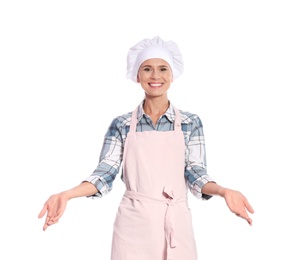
<point x="155" y="85"/>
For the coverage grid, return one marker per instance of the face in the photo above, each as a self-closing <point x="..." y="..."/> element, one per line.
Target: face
<point x="155" y="77"/>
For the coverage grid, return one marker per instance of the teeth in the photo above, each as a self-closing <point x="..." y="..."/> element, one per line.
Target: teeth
<point x="155" y="85"/>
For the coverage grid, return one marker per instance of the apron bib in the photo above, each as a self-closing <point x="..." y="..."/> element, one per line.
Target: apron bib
<point x="153" y="221"/>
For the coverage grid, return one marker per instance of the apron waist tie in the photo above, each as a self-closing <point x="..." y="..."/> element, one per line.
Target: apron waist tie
<point x="170" y="201"/>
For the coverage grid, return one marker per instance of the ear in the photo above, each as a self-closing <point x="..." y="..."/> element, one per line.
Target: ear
<point x="138" y="79"/>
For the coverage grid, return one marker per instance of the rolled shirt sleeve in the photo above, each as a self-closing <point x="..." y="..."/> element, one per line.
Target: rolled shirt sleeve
<point x="110" y="160"/>
<point x="195" y="171"/>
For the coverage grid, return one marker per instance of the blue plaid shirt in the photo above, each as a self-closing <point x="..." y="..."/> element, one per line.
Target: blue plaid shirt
<point x="112" y="151"/>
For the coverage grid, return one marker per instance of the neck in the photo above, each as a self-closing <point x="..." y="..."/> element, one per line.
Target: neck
<point x="155" y="108"/>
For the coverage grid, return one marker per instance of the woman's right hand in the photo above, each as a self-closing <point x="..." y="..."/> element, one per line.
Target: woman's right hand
<point x="54" y="207"/>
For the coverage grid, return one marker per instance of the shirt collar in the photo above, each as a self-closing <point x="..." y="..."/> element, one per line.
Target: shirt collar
<point x="169" y="113"/>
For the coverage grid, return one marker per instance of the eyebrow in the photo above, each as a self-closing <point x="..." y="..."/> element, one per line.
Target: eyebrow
<point x="162" y="66"/>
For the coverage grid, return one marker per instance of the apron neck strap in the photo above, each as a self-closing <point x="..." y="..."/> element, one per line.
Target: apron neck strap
<point x="177" y="123"/>
<point x="134" y="120"/>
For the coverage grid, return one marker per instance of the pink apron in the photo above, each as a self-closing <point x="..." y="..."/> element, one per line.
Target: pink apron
<point x="153" y="221"/>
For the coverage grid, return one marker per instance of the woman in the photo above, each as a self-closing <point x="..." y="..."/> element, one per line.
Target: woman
<point x="163" y="154"/>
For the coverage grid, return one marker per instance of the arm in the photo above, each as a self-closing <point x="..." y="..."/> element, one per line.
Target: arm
<point x="56" y="204"/>
<point x="235" y="200"/>
<point x="200" y="183"/>
<point x="96" y="185"/>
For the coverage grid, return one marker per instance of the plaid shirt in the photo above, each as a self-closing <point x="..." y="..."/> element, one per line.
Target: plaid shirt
<point x="111" y="156"/>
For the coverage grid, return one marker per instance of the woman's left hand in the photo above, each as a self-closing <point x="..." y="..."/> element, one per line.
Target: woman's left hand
<point x="238" y="204"/>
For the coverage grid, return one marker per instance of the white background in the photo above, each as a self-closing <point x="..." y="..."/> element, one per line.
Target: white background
<point x="62" y="78"/>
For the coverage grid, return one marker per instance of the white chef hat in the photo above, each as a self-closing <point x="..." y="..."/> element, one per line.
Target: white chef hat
<point x="154" y="48"/>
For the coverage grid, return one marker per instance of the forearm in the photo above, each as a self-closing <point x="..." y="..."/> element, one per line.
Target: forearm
<point x="211" y="188"/>
<point x="82" y="190"/>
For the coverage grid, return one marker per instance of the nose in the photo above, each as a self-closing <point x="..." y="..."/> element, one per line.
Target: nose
<point x="155" y="74"/>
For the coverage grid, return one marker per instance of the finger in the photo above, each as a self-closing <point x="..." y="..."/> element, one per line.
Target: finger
<point x="249" y="207"/>
<point x="249" y="220"/>
<point x="42" y="212"/>
<point x="52" y="213"/>
<point x="242" y="215"/>
<point x="45" y="227"/>
<point x="245" y="216"/>
<point x="49" y="222"/>
<point x="50" y="219"/>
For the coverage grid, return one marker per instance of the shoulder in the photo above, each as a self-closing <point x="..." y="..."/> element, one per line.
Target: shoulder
<point x="119" y="126"/>
<point x="191" y="123"/>
<point x="190" y="118"/>
<point x="122" y="121"/>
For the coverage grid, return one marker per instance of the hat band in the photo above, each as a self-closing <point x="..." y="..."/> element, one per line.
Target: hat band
<point x="154" y="52"/>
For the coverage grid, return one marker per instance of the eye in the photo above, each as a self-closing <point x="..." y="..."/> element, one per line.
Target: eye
<point x="163" y="69"/>
<point x="146" y="69"/>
